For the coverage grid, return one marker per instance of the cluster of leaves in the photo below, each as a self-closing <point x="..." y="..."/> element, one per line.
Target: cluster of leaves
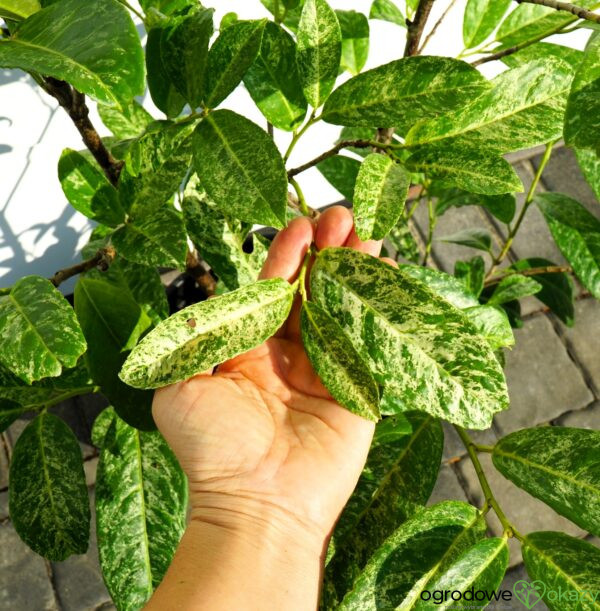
<point x="406" y="347"/>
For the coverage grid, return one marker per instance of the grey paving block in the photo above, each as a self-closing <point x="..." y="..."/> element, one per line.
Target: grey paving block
<point x="3" y="465"/>
<point x="453" y="446"/>
<point x="24" y="581"/>
<point x="3" y="505"/>
<point x="588" y="418"/>
<point x="447" y="487"/>
<point x="525" y="512"/>
<point x="543" y="382"/>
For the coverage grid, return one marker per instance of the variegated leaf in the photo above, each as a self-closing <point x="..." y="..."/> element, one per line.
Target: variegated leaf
<point x="541" y="50"/>
<point x="557" y="465"/>
<point x="379" y="196"/>
<point x="481" y="19"/>
<point x="424" y="351"/>
<point x="386" y="10"/>
<point x="208" y="333"/>
<point x="355" y="40"/>
<point x="39" y="331"/>
<point x="141" y="503"/>
<point x="338" y="364"/>
<point x="18" y="9"/>
<point x="472" y="274"/>
<point x="129" y="121"/>
<point x="341" y="172"/>
<point x="589" y="162"/>
<point x="514" y="287"/>
<point x="493" y="324"/>
<point x="48" y="498"/>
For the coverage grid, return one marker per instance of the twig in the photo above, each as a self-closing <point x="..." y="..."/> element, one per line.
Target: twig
<point x="102" y="259"/>
<point x="436" y="26"/>
<point x="200" y="274"/>
<point x="416" y="26"/>
<point x="74" y="103"/>
<point x="578" y="11"/>
<point x="534" y="271"/>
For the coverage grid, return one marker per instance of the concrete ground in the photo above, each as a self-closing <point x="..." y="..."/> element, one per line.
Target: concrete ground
<point x="553" y="378"/>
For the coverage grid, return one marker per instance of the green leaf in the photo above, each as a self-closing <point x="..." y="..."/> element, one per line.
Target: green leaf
<point x="9" y="412"/>
<point x="379" y="196"/>
<point x="424" y="351"/>
<point x="386" y="10"/>
<point x="273" y="81"/>
<point x="18" y="9"/>
<point x="524" y="108"/>
<point x="583" y="107"/>
<point x="319" y="50"/>
<point x="229" y="58"/>
<point x="184" y="52"/>
<point x="292" y="14"/>
<point x="399" y="476"/>
<point x="472" y="169"/>
<point x="141" y="503"/>
<point x="401" y="92"/>
<point x="563" y="564"/>
<point x="112" y="323"/>
<point x="38" y="330"/>
<point x="577" y="235"/>
<point x="241" y="168"/>
<point x="207" y="333"/>
<point x="163" y="92"/>
<point x="88" y="190"/>
<point x="355" y="40"/>
<point x="130" y="121"/>
<point x="556" y="291"/>
<point x="341" y="172"/>
<point x="502" y="206"/>
<point x="228" y="19"/>
<point x="589" y="162"/>
<point x="48" y="499"/>
<point x="220" y="240"/>
<point x="557" y="465"/>
<point x="335" y="360"/>
<point x="514" y="287"/>
<point x="473" y="238"/>
<point x="541" y="50"/>
<point x="493" y="324"/>
<point x="166" y="7"/>
<point x="156" y="238"/>
<point x="471" y="273"/>
<point x="109" y="67"/>
<point x="481" y="19"/>
<point x="420" y="552"/>
<point x="402" y="239"/>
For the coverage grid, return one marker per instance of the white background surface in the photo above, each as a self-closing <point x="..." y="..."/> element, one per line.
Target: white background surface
<point x="40" y="233"/>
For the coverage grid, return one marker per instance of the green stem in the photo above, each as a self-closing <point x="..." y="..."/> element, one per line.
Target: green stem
<point x="302" y="276"/>
<point x="490" y="500"/>
<point x="431" y="229"/>
<point x="83" y="390"/>
<point x="133" y="10"/>
<point x="528" y="201"/>
<point x="312" y="119"/>
<point x="301" y="199"/>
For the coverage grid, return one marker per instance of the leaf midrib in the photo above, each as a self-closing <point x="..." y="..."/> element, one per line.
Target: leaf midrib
<point x="143" y="511"/>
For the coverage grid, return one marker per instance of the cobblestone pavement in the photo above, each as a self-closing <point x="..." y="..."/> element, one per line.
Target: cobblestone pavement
<point x="553" y="377"/>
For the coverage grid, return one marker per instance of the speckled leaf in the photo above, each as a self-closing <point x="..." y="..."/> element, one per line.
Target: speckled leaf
<point x="157" y="238"/>
<point x="386" y="10"/>
<point x="356" y="133"/>
<point x="403" y="240"/>
<point x="471" y="273"/>
<point x="540" y="50"/>
<point x="273" y="82"/>
<point x="166" y="7"/>
<point x="502" y="206"/>
<point x="416" y="555"/>
<point x="184" y="52"/>
<point x="112" y="323"/>
<point x="88" y="190"/>
<point x="18" y="9"/>
<point x="524" y="108"/>
<point x="514" y="287"/>
<point x="62" y="41"/>
<point x="582" y="125"/>
<point x="141" y="503"/>
<point x="48" y="498"/>
<point x="241" y="169"/>
<point x="577" y="234"/>
<point x="493" y="324"/>
<point x="480" y="20"/>
<point x="398" y="478"/>
<point x="589" y="162"/>
<point x="208" y="333"/>
<point x="557" y="465"/>
<point x="472" y="169"/>
<point x="563" y="564"/>
<point x="338" y="364"/>
<point x="401" y="92"/>
<point x="130" y="121"/>
<point x="473" y="238"/>
<point x="38" y="330"/>
<point x="291" y="18"/>
<point x="355" y="40"/>
<point x="423" y="350"/>
<point x="220" y="240"/>
<point x="341" y="172"/>
<point x="379" y="196"/>
<point x="319" y="50"/>
<point x="230" y="56"/>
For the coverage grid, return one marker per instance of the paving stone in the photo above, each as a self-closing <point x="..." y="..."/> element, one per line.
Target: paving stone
<point x="543" y="382"/>
<point x="524" y="511"/>
<point x="24" y="581"/>
<point x="3" y="505"/>
<point x="453" y="446"/>
<point x="78" y="580"/>
<point x="447" y="487"/>
<point x="584" y="338"/>
<point x="14" y="430"/>
<point x="588" y="418"/>
<point x="3" y="465"/>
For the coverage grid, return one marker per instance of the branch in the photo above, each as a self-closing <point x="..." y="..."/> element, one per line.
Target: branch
<point x="578" y="11"/>
<point x="416" y="26"/>
<point x="74" y="103"/>
<point x="436" y="26"/>
<point x="200" y="274"/>
<point x="534" y="271"/>
<point x="102" y="259"/>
